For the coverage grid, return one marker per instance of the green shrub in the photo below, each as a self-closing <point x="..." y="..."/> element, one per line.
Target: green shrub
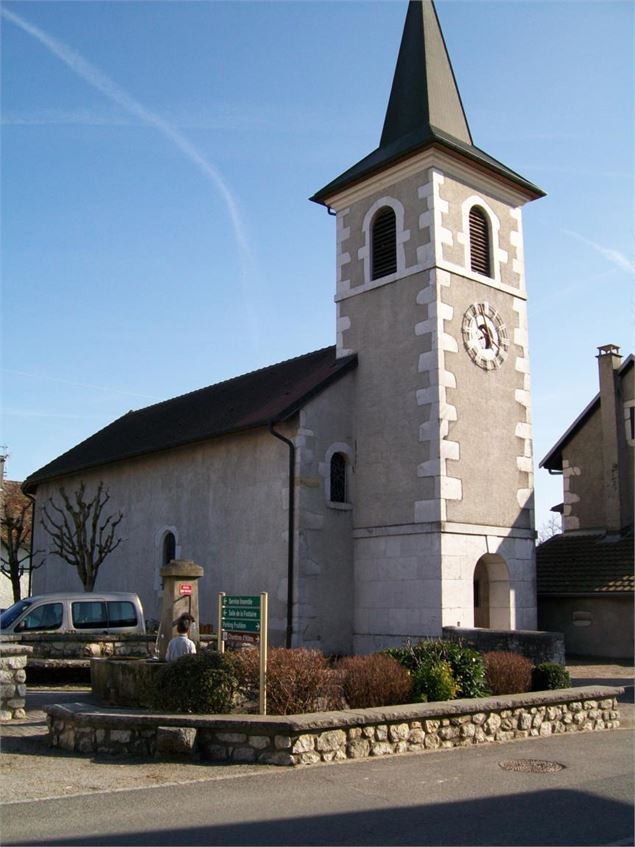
<point x="548" y="675"/>
<point x="200" y="683"/>
<point x="298" y="680"/>
<point x="433" y="681"/>
<point x="467" y="665"/>
<point x="507" y="673"/>
<point x="375" y="680"/>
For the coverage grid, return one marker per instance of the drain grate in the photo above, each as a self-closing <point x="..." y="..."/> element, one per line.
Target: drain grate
<point x="531" y="766"/>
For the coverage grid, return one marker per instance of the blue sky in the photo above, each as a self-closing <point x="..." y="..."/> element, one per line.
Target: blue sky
<point x="157" y="158"/>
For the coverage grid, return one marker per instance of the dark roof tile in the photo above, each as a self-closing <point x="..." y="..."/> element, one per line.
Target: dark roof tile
<point x="585" y="564"/>
<point x="254" y="399"/>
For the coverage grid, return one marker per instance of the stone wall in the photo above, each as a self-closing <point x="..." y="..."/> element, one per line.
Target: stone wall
<point x="13" y="659"/>
<point x="56" y="647"/>
<point x="334" y="736"/>
<point x="535" y="645"/>
<point x="71" y="645"/>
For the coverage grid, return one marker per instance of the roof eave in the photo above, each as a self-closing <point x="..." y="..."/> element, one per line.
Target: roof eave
<point x="437" y="139"/>
<point x="30" y="484"/>
<point x="553" y="460"/>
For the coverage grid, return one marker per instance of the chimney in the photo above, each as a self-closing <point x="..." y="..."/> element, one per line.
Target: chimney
<point x="609" y="360"/>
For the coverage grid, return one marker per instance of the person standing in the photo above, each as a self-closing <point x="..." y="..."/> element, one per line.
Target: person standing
<point x="181" y="644"/>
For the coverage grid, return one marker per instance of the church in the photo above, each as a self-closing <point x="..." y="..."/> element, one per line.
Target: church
<point x="382" y="488"/>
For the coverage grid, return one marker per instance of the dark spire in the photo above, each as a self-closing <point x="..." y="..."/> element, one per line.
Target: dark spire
<point x="424" y="108"/>
<point x="424" y="93"/>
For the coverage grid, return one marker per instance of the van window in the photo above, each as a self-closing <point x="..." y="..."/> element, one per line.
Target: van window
<point x="121" y="613"/>
<point x="89" y="614"/>
<point x="13" y="613"/>
<point x="46" y="616"/>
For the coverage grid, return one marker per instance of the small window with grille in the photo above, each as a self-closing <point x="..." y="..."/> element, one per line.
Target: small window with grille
<point x="480" y="250"/>
<point x="384" y="243"/>
<point x="169" y="548"/>
<point x="339" y="493"/>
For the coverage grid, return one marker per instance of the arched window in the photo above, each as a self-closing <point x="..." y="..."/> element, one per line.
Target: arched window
<point x="480" y="242"/>
<point x="339" y="493"/>
<point x="384" y="243"/>
<point x="169" y="548"/>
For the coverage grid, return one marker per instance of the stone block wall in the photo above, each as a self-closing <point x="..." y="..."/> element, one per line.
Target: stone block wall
<point x="334" y="736"/>
<point x="13" y="659"/>
<point x="536" y="645"/>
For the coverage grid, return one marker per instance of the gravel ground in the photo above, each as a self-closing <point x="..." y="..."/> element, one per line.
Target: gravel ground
<point x="31" y="770"/>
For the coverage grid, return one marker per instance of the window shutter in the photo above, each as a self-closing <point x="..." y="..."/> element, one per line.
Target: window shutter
<point x="479" y="242"/>
<point x="384" y="243"/>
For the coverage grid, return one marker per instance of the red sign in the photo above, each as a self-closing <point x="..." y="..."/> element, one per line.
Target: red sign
<point x="185" y="589"/>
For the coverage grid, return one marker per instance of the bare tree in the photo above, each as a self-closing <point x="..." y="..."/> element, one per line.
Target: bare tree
<point x="15" y="531"/>
<point x="82" y="534"/>
<point x="550" y="528"/>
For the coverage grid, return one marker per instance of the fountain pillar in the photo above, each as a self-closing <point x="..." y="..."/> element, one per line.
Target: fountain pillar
<point x="180" y="596"/>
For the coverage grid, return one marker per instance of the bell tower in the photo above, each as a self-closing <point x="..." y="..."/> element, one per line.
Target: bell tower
<point x="431" y="296"/>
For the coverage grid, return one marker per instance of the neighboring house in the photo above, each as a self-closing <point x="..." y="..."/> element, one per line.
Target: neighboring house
<point x="585" y="575"/>
<point x="368" y="486"/>
<point x="14" y="506"/>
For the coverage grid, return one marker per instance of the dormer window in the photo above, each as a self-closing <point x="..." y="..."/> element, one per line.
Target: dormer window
<point x="480" y="242"/>
<point x="384" y="243"/>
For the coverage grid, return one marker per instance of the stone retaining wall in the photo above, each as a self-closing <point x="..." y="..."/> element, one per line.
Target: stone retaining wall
<point x="72" y="645"/>
<point x="537" y="645"/>
<point x="13" y="659"/>
<point x="333" y="736"/>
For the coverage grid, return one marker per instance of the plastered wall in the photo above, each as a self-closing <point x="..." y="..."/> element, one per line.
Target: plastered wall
<point x="226" y="502"/>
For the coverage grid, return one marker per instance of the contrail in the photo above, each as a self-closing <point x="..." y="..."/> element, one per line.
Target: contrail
<point x="614" y="256"/>
<point x="95" y="78"/>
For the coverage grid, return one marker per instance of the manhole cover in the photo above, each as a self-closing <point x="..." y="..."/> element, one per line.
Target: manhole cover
<point x="531" y="766"/>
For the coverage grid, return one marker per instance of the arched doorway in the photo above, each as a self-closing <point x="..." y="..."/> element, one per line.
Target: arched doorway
<point x="492" y="608"/>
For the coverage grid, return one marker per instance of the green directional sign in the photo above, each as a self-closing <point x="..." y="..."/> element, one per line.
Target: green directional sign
<point x="241" y="613"/>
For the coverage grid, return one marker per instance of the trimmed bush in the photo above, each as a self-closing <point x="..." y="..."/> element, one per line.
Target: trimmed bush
<point x="548" y="676"/>
<point x="434" y="681"/>
<point x="298" y="680"/>
<point x="375" y="680"/>
<point x="200" y="683"/>
<point x="507" y="673"/>
<point x="466" y="664"/>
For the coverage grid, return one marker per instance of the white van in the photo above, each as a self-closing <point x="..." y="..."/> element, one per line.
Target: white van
<point x="80" y="613"/>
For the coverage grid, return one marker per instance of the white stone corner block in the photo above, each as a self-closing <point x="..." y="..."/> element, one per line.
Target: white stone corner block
<point x="451" y="488"/>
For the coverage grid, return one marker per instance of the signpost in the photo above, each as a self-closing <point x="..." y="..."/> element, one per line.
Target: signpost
<point x="246" y="614"/>
<point x="185" y="589"/>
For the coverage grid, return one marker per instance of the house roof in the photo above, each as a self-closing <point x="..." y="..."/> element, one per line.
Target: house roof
<point x="255" y="399"/>
<point x="553" y="460"/>
<point x="424" y="108"/>
<point x="585" y="564"/>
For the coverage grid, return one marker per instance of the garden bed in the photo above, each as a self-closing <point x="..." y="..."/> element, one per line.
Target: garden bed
<point x="333" y="736"/>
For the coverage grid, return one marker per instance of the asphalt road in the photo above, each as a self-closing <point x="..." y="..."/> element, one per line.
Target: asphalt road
<point x="454" y="797"/>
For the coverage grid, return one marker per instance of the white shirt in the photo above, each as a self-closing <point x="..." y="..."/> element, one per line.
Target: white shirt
<point x="180" y="645"/>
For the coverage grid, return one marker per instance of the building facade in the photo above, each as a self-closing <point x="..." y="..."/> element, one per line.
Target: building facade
<point x="585" y="575"/>
<point x="401" y="500"/>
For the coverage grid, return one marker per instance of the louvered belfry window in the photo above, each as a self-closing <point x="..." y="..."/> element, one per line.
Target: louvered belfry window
<point x="384" y="243"/>
<point x="338" y="478"/>
<point x="479" y="242"/>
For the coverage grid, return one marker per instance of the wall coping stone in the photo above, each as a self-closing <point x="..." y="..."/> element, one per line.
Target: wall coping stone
<point x="15" y="649"/>
<point x="85" y="714"/>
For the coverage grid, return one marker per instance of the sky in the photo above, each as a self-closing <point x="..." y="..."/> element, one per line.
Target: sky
<point x="157" y="158"/>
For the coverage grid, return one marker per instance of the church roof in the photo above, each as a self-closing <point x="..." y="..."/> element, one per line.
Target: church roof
<point x="553" y="459"/>
<point x="585" y="564"/>
<point x="424" y="108"/>
<point x="255" y="399"/>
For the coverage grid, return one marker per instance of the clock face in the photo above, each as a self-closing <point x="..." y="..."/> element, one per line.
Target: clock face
<point x="485" y="336"/>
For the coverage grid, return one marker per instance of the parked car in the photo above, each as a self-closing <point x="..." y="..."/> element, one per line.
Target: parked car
<point x="80" y="612"/>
